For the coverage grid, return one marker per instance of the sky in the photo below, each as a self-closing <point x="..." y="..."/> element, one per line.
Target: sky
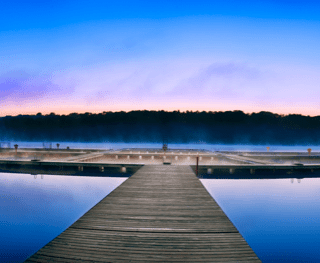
<point x="94" y="56"/>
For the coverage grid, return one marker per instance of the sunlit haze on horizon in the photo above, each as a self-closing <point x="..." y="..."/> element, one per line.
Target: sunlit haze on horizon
<point x="81" y="56"/>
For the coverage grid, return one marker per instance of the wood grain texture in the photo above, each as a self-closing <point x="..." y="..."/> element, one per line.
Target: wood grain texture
<point x="160" y="214"/>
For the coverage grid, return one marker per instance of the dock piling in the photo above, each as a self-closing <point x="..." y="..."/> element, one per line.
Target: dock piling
<point x="197" y="158"/>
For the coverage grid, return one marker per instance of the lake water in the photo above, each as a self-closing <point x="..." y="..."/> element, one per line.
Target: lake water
<point x="280" y="219"/>
<point x="33" y="211"/>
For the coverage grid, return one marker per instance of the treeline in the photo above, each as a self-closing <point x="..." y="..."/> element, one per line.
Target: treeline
<point x="230" y="127"/>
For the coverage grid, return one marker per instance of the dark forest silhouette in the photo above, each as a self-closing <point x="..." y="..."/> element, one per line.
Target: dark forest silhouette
<point x="230" y="127"/>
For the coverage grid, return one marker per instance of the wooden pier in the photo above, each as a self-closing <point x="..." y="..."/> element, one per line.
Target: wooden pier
<point x="160" y="214"/>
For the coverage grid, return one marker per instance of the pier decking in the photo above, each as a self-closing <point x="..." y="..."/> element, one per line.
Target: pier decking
<point x="160" y="214"/>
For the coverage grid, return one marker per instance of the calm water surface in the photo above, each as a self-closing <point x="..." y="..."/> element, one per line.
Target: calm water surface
<point x="33" y="210"/>
<point x="279" y="219"/>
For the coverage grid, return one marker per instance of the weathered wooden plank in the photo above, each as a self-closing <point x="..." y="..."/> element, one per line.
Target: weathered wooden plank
<point x="160" y="214"/>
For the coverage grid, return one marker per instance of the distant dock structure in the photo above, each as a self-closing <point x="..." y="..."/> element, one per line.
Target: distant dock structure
<point x="208" y="164"/>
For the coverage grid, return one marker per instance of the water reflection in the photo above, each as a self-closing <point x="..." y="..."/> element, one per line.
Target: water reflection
<point x="279" y="218"/>
<point x="35" y="176"/>
<point x="298" y="180"/>
<point x="35" y="211"/>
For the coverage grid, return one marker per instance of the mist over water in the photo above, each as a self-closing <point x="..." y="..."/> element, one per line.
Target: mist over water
<point x="200" y="146"/>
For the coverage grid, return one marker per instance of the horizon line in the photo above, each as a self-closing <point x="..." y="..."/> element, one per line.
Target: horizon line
<point x="169" y="111"/>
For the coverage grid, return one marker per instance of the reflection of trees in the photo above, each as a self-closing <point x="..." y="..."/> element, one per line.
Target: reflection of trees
<point x="162" y="126"/>
<point x="298" y="180"/>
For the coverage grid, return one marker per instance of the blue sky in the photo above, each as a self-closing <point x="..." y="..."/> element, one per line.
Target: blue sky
<point x="81" y="56"/>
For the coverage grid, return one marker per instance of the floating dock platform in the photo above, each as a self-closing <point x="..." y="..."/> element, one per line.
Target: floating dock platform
<point x="125" y="162"/>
